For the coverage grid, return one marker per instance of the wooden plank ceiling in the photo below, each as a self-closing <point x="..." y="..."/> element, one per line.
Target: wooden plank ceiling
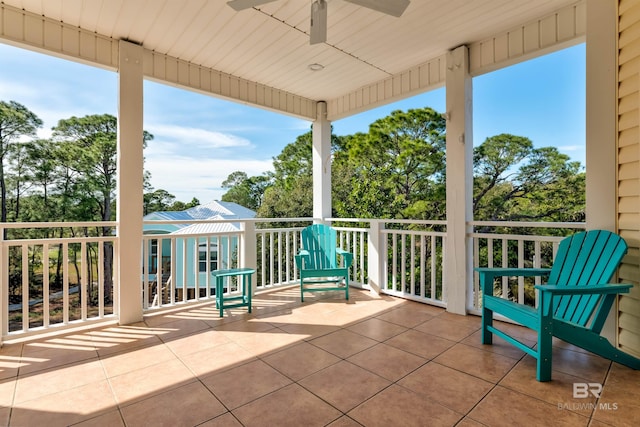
<point x="269" y="44"/>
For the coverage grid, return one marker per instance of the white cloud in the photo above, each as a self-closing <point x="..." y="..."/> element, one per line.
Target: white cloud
<point x="182" y="136"/>
<point x="186" y="177"/>
<point x="571" y="148"/>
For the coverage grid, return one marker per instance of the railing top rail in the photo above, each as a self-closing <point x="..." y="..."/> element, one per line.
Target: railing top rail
<point x="579" y="225"/>
<point x="532" y="238"/>
<point x="415" y="232"/>
<point x="390" y="220"/>
<point x="58" y="224"/>
<point x="57" y="240"/>
<point x="191" y="235"/>
<point x="224" y="221"/>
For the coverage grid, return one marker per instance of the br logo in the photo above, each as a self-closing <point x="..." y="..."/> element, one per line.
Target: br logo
<point x="584" y="390"/>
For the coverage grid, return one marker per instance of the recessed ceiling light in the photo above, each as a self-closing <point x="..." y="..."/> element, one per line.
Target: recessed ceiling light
<point x="316" y="67"/>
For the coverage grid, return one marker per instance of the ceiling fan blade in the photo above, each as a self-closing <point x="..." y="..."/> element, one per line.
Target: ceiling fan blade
<point x="390" y="7"/>
<point x="318" y="22"/>
<point x="246" y="4"/>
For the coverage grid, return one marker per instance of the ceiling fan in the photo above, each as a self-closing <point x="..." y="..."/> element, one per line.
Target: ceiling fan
<point x="319" y="12"/>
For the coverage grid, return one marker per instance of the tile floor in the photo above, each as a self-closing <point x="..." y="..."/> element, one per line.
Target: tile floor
<point x="372" y="361"/>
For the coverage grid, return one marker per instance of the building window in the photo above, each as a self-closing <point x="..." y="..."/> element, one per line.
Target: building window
<point x="202" y="257"/>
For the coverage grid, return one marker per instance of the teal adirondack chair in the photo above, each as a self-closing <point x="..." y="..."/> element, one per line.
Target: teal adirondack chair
<point x="572" y="306"/>
<point x="317" y="261"/>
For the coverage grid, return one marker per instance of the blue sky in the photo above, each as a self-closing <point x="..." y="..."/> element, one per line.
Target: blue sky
<point x="200" y="140"/>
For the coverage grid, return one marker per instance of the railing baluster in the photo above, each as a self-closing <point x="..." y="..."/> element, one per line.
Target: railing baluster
<point x="25" y="287"/>
<point x="46" y="309"/>
<point x="83" y="280"/>
<point x="65" y="283"/>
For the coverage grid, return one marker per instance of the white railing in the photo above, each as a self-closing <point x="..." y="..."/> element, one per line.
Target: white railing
<point x="415" y="263"/>
<point x="502" y="244"/>
<point x="404" y="258"/>
<point x="53" y="282"/>
<point x="176" y="268"/>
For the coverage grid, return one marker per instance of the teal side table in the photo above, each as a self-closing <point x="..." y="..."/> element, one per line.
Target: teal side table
<point x="245" y="298"/>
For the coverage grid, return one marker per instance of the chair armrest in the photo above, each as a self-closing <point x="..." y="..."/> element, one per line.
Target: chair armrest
<point x="488" y="274"/>
<point x="348" y="256"/>
<point x="303" y="255"/>
<point x="603" y="289"/>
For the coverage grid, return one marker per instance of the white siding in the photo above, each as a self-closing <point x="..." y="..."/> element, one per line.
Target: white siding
<point x="629" y="169"/>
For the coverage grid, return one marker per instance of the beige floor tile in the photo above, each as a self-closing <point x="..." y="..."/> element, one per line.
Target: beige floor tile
<point x="345" y="421"/>
<point x="245" y="383"/>
<point x="448" y="328"/>
<point x="198" y="341"/>
<point x="503" y="407"/>
<point x="559" y="391"/>
<point x="377" y="329"/>
<point x="596" y="423"/>
<point x="583" y="365"/>
<point x="7" y="390"/>
<point x="453" y="389"/>
<point x="499" y="345"/>
<point x="468" y="422"/>
<point x="138" y="358"/>
<point x="301" y="360"/>
<point x="110" y="419"/>
<point x="343" y="343"/>
<point x="308" y="331"/>
<point x="344" y="385"/>
<point x="56" y="380"/>
<point x="125" y="339"/>
<point x="263" y="343"/>
<point x="408" y="409"/>
<point x="301" y="409"/>
<point x="224" y="420"/>
<point x="66" y="407"/>
<point x="420" y="344"/>
<point x="387" y="361"/>
<point x="517" y="331"/>
<point x="77" y="342"/>
<point x="217" y="359"/>
<point x="410" y="315"/>
<point x="44" y="358"/>
<point x="4" y="416"/>
<point x="235" y="330"/>
<point x="181" y="327"/>
<point x="11" y="349"/>
<point x="146" y="382"/>
<point x="619" y="403"/>
<point x="489" y="366"/>
<point x="9" y="366"/>
<point x="188" y="405"/>
<point x="145" y="375"/>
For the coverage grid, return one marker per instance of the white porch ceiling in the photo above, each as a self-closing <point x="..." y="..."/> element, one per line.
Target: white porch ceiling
<point x="268" y="46"/>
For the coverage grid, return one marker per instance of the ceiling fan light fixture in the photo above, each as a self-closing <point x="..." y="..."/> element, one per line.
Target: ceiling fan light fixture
<point x="316" y="67"/>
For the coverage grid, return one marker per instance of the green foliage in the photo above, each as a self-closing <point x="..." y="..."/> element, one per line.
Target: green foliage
<point x="397" y="170"/>
<point x="245" y="191"/>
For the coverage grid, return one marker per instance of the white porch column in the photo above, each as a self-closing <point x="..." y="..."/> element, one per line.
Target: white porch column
<point x="130" y="178"/>
<point x="601" y="115"/>
<point x="248" y="248"/>
<point x="321" y="132"/>
<point x="457" y="261"/>
<point x="377" y="250"/>
<point x="601" y="149"/>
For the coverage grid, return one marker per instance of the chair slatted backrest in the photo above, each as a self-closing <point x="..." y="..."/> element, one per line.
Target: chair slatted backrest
<point x="320" y="241"/>
<point x="586" y="258"/>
